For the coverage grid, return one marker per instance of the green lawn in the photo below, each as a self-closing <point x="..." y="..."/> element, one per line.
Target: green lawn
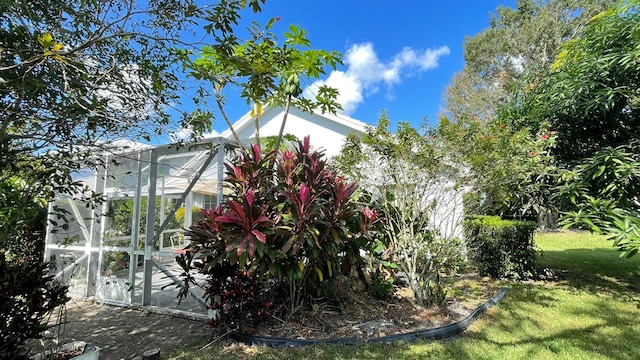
<point x="591" y="312"/>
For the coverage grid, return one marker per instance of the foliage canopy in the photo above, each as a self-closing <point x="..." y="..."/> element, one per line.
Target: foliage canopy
<point x="520" y="40"/>
<point x="590" y="94"/>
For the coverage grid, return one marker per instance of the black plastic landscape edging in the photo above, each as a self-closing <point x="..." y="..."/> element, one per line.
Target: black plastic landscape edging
<point x="429" y="334"/>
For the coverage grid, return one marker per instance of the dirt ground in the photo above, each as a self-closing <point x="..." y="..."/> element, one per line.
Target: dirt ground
<point x="126" y="333"/>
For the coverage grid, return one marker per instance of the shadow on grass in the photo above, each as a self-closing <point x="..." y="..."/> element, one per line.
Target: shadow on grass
<point x="557" y="323"/>
<point x="594" y="270"/>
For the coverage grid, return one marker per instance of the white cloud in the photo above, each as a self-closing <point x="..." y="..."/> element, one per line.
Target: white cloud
<point x="350" y="90"/>
<point x="212" y="134"/>
<point x="180" y="134"/>
<point x="365" y="73"/>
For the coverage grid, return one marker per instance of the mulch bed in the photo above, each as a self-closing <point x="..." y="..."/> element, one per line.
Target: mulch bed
<point x="364" y="316"/>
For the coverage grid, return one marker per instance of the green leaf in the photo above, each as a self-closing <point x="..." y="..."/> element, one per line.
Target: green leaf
<point x="271" y="22"/>
<point x="319" y="272"/>
<point x="389" y="264"/>
<point x="46" y="40"/>
<point x="630" y="253"/>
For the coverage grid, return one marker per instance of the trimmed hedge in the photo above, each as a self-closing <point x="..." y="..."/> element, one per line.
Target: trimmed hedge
<point x="501" y="248"/>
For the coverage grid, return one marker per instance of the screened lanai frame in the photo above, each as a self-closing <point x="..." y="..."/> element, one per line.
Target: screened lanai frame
<point x="106" y="254"/>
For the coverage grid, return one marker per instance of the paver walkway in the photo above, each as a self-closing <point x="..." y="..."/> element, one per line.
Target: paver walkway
<point x="126" y="333"/>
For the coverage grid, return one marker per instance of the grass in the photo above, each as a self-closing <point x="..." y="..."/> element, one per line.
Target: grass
<point x="591" y="311"/>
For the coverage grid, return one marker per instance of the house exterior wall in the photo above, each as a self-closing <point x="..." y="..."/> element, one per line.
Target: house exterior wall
<point x="327" y="131"/>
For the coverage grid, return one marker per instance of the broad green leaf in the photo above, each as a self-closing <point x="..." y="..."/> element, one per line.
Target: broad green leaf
<point x="46" y="40"/>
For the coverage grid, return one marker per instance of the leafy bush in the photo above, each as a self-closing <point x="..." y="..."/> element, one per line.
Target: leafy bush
<point x="27" y="293"/>
<point x="196" y="215"/>
<point x="501" y="248"/>
<point x="236" y="296"/>
<point x="288" y="223"/>
<point x="120" y="213"/>
<point x="27" y="296"/>
<point x="381" y="287"/>
<point x="601" y="195"/>
<point x="510" y="170"/>
<point x="411" y="177"/>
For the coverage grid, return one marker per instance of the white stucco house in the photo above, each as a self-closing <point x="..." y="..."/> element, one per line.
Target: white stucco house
<point x="327" y="131"/>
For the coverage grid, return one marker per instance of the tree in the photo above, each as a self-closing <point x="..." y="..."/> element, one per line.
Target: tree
<point x="518" y="41"/>
<point x="414" y="184"/>
<point x="27" y="292"/>
<point x="266" y="71"/>
<point x="601" y="195"/>
<point x="76" y="72"/>
<point x="74" y="75"/>
<point x="508" y="173"/>
<point x="589" y="95"/>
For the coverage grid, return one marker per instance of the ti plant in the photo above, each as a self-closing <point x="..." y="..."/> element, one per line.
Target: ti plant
<point x="289" y="222"/>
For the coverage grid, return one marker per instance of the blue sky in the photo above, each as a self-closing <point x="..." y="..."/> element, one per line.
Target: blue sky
<point x="398" y="56"/>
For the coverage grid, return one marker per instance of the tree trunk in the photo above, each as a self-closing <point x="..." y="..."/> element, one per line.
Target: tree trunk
<point x="417" y="289"/>
<point x="284" y="122"/>
<point x="226" y="119"/>
<point x="256" y="113"/>
<point x="547" y="220"/>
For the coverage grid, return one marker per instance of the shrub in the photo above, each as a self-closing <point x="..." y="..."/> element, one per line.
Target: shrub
<point x="288" y="223"/>
<point x="27" y="296"/>
<point x="501" y="248"/>
<point x="236" y="296"/>
<point x="381" y="287"/>
<point x="27" y="293"/>
<point x="196" y="215"/>
<point x="411" y="177"/>
<point x="600" y="195"/>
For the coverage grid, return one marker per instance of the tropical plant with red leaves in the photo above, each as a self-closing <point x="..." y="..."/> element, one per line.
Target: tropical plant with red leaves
<point x="288" y="222"/>
<point x="249" y="222"/>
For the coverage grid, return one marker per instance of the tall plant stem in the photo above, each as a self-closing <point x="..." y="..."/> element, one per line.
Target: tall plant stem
<point x="256" y="121"/>
<point x="226" y="119"/>
<point x="284" y="122"/>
